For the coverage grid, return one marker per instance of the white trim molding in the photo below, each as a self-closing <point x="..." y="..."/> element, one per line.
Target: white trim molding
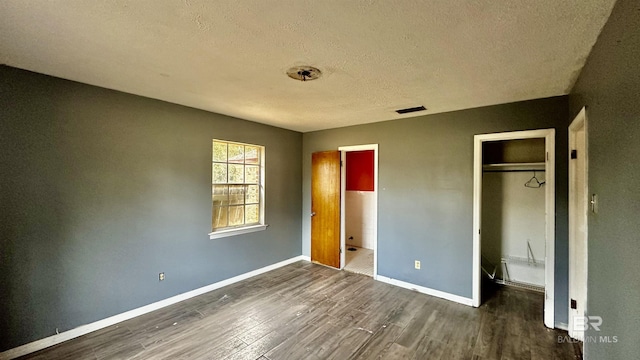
<point x="231" y="232"/>
<point x="550" y="209"/>
<point x="579" y="209"/>
<point x="343" y="188"/>
<point x="425" y="290"/>
<point x="101" y="324"/>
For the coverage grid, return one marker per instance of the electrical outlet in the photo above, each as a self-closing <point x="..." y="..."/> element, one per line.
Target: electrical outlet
<point x="161" y="276"/>
<point x="417" y="264"/>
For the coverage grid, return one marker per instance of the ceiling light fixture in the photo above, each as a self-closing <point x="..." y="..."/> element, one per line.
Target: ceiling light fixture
<point x="304" y="73"/>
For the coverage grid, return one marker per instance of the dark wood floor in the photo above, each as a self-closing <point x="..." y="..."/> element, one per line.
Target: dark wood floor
<point x="307" y="311"/>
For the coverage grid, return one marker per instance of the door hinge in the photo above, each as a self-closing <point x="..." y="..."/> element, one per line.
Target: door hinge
<point x="340" y="250"/>
<point x="340" y="163"/>
<point x="547" y="156"/>
<point x="574" y="154"/>
<point x="574" y="304"/>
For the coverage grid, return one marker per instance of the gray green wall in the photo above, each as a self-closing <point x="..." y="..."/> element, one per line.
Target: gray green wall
<point x="609" y="86"/>
<point x="100" y="191"/>
<point x="426" y="189"/>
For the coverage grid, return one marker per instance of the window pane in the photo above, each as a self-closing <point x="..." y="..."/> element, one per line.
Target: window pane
<point x="236" y="153"/>
<point x="219" y="151"/>
<point x="236" y="194"/>
<point x="252" y="214"/>
<point x="219" y="175"/>
<point x="253" y="194"/>
<point x="252" y="174"/>
<point x="219" y="217"/>
<point x="236" y="174"/>
<point x="236" y="215"/>
<point x="251" y="155"/>
<point x="220" y="195"/>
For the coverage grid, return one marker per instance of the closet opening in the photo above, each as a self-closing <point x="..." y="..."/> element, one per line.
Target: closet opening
<point x="514" y="219"/>
<point x="359" y="204"/>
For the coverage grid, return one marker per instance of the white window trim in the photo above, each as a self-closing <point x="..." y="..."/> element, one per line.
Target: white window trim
<point x="249" y="228"/>
<point x="242" y="230"/>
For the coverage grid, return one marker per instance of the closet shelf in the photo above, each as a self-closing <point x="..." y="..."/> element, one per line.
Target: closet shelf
<point x="534" y="166"/>
<point x="522" y="260"/>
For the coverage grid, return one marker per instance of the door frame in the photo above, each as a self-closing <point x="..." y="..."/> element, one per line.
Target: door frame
<point x="343" y="185"/>
<point x="578" y="123"/>
<point x="550" y="206"/>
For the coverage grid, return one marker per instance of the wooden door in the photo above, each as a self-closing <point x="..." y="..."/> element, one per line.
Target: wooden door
<point x="325" y="208"/>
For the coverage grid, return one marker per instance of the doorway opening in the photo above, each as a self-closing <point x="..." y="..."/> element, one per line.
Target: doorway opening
<point x="514" y="214"/>
<point x="578" y="223"/>
<point x="359" y="209"/>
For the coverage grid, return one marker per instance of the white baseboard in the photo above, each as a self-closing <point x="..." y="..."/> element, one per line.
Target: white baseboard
<point x="425" y="290"/>
<point x="101" y="324"/>
<point x="305" y="257"/>
<point x="562" y="326"/>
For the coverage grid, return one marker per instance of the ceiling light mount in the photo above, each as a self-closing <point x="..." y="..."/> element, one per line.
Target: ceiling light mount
<point x="304" y="73"/>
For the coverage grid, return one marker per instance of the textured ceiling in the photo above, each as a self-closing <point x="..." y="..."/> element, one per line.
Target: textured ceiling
<point x="231" y="57"/>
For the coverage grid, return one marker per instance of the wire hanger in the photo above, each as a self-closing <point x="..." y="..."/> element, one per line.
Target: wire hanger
<point x="534" y="182"/>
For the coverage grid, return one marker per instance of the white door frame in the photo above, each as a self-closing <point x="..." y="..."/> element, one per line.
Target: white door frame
<point x="579" y="123"/>
<point x="550" y="204"/>
<point x="343" y="186"/>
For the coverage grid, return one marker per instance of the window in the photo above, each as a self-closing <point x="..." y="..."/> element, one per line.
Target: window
<point x="237" y="187"/>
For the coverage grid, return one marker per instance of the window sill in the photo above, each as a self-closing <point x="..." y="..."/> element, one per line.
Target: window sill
<point x="238" y="231"/>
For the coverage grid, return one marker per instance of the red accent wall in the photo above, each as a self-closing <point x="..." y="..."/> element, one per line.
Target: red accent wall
<point x="360" y="170"/>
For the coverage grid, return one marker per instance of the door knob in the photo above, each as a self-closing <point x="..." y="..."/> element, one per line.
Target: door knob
<point x="313" y="213"/>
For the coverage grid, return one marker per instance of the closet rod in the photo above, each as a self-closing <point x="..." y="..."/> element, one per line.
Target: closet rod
<point x="515" y="170"/>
